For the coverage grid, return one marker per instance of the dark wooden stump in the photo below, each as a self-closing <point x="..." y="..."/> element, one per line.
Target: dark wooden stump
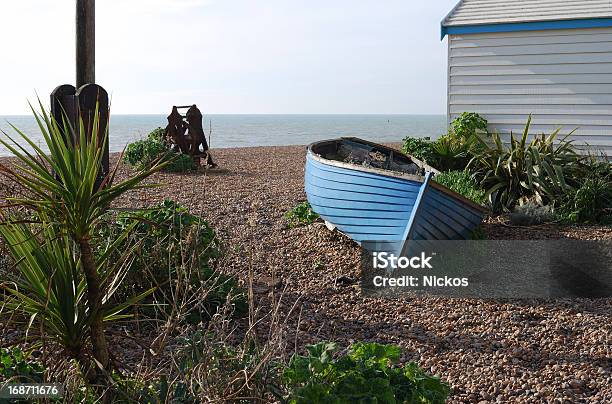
<point x="69" y="105"/>
<point x="63" y="110"/>
<point x="93" y="98"/>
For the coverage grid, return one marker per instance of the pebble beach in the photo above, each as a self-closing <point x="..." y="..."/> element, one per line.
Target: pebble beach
<point x="487" y="350"/>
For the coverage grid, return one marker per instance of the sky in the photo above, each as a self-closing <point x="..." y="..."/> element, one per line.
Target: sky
<point x="235" y="56"/>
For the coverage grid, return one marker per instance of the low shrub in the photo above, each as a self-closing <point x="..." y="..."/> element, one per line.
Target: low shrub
<point x="531" y="213"/>
<point x="19" y="367"/>
<point x="591" y="200"/>
<point x="47" y="292"/>
<point x="145" y="152"/>
<point x="462" y="183"/>
<point x="143" y="390"/>
<point x="468" y="125"/>
<point x="420" y="148"/>
<point x="172" y="245"/>
<point x="180" y="163"/>
<point x="368" y="372"/>
<point x="453" y="150"/>
<point x="62" y="290"/>
<point x="302" y="214"/>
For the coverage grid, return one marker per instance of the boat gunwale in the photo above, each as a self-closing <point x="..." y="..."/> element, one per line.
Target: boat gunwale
<point x="389" y="173"/>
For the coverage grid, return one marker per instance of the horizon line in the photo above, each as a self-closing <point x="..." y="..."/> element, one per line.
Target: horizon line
<point x="271" y="114"/>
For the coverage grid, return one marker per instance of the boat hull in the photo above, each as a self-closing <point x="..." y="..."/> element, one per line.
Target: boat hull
<point x="370" y="205"/>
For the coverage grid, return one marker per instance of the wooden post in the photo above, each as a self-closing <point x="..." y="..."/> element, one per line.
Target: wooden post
<point x="92" y="98"/>
<point x="85" y="42"/>
<point x="63" y="107"/>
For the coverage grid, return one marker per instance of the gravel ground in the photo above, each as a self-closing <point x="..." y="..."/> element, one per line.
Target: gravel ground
<point x="488" y="351"/>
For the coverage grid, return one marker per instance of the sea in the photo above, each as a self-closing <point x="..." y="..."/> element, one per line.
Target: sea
<point x="228" y="131"/>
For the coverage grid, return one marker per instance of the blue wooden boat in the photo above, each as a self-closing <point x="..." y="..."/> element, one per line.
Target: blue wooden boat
<point x="374" y="193"/>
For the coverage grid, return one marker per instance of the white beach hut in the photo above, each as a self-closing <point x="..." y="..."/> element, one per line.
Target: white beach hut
<point x="550" y="58"/>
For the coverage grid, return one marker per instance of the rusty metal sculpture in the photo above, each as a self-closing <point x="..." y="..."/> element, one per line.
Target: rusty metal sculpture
<point x="188" y="135"/>
<point x="175" y="131"/>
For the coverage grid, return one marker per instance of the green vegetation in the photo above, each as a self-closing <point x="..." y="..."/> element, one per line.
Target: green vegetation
<point x="451" y="153"/>
<point x="590" y="201"/>
<point x="453" y="150"/>
<point x="62" y="286"/>
<point x="525" y="170"/>
<point x="77" y="266"/>
<point x="180" y="163"/>
<point x="80" y="271"/>
<point x="172" y="245"/>
<point x="420" y="148"/>
<point x="531" y="172"/>
<point x="229" y="370"/>
<point x="462" y="183"/>
<point x="207" y="368"/>
<point x="368" y="372"/>
<point x="19" y="367"/>
<point x="52" y="288"/>
<point x="143" y="153"/>
<point x="468" y="125"/>
<point x="302" y="214"/>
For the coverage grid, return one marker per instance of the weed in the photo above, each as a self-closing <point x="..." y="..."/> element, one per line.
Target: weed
<point x="368" y="372"/>
<point x="302" y="214"/>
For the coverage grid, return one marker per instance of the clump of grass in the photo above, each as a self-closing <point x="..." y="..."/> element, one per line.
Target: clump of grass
<point x="462" y="183"/>
<point x="218" y="361"/>
<point x="302" y="214"/>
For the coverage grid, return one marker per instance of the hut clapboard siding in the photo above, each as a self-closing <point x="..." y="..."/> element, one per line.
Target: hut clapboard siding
<point x="562" y="77"/>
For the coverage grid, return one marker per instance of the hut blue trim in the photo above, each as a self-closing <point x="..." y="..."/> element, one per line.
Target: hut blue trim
<point x="525" y="26"/>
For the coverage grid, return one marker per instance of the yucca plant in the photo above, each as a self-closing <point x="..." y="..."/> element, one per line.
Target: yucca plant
<point x="61" y="187"/>
<point x="452" y="153"/>
<point x="520" y="171"/>
<point x="51" y="289"/>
